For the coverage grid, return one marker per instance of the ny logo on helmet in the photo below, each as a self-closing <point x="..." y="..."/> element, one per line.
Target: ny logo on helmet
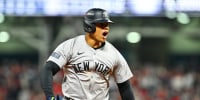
<point x="105" y="15"/>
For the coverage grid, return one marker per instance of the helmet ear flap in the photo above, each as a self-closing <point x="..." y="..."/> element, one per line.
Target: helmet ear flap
<point x="89" y="27"/>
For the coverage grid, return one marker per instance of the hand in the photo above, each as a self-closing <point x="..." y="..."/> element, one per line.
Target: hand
<point x="51" y="98"/>
<point x="58" y="97"/>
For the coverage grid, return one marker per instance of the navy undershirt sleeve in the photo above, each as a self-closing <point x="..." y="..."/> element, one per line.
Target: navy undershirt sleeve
<point x="126" y="91"/>
<point x="46" y="77"/>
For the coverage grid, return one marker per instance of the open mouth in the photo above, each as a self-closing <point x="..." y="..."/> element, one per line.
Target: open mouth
<point x="105" y="33"/>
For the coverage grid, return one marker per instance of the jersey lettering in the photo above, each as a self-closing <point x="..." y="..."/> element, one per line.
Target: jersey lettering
<point x="85" y="66"/>
<point x="80" y="67"/>
<point x="99" y="67"/>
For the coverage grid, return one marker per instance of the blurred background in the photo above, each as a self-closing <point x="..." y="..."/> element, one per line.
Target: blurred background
<point x="160" y="39"/>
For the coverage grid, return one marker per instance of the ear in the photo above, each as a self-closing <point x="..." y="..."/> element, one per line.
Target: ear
<point x="89" y="27"/>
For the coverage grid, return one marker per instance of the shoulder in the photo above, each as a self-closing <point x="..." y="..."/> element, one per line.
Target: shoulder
<point x="113" y="50"/>
<point x="72" y="39"/>
<point x="111" y="46"/>
<point x="70" y="42"/>
<point x="116" y="52"/>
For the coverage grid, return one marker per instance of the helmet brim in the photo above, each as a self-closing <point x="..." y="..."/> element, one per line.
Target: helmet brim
<point x="103" y="21"/>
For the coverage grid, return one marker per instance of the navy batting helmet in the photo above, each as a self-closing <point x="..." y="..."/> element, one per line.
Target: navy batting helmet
<point x="93" y="16"/>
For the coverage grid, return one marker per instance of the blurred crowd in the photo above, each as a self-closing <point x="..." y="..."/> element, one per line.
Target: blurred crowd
<point x="160" y="83"/>
<point x="19" y="80"/>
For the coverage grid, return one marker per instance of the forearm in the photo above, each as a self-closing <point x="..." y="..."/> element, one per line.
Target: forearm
<point x="126" y="91"/>
<point x="46" y="78"/>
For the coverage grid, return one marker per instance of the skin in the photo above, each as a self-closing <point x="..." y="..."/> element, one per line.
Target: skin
<point x="97" y="38"/>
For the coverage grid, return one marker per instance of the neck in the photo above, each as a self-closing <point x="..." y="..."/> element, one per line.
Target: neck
<point x="91" y="41"/>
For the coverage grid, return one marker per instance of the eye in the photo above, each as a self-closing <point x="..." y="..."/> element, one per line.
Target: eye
<point x="104" y="24"/>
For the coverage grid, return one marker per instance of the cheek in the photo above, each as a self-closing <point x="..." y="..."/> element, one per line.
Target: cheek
<point x="97" y="29"/>
<point x="98" y="32"/>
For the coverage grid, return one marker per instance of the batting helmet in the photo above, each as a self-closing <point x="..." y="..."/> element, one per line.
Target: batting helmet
<point x="93" y="16"/>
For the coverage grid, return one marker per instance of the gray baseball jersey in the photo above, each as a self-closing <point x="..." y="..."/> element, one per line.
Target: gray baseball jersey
<point x="87" y="70"/>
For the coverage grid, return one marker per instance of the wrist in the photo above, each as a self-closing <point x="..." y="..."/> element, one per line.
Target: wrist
<point x="51" y="98"/>
<point x="57" y="97"/>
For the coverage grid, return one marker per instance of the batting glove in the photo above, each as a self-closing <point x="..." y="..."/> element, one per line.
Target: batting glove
<point x="55" y="98"/>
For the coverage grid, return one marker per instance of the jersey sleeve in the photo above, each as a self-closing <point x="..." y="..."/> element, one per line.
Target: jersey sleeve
<point x="122" y="70"/>
<point x="62" y="53"/>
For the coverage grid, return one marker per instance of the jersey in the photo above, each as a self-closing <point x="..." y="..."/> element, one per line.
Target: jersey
<point x="87" y="70"/>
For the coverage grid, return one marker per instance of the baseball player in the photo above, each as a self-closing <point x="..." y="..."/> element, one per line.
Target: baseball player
<point x="88" y="61"/>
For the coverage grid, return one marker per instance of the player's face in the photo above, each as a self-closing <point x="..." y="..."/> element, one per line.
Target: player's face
<point x="101" y="33"/>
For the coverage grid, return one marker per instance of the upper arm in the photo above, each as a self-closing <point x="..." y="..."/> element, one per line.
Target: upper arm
<point x="62" y="53"/>
<point x="122" y="70"/>
<point x="53" y="67"/>
<point x="126" y="90"/>
<point x="123" y="84"/>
